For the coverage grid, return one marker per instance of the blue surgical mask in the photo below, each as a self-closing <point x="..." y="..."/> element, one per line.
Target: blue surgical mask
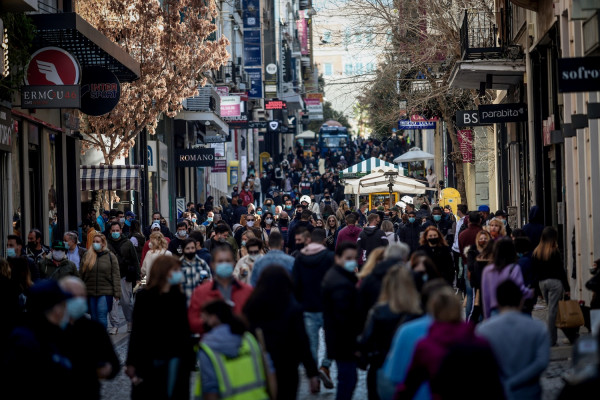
<point x="176" y="278"/>
<point x="243" y="242"/>
<point x="411" y="220"/>
<point x="350" y="265"/>
<point x="156" y="221"/>
<point x="115" y="235"/>
<point x="122" y="220"/>
<point x="65" y="321"/>
<point x="97" y="246"/>
<point x="76" y="307"/>
<point x="209" y="219"/>
<point x="224" y="270"/>
<point x="259" y="212"/>
<point x="11" y="252"/>
<point x="437" y="218"/>
<point x="127" y="222"/>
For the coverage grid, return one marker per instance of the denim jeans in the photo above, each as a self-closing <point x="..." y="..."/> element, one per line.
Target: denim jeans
<point x="100" y="307"/>
<point x="552" y="290"/>
<point x="313" y="321"/>
<point x="126" y="302"/>
<point x="347" y="378"/>
<point x="469" y="292"/>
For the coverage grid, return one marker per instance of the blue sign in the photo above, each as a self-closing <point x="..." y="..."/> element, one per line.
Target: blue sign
<point x="406" y="124"/>
<point x="256" y="84"/>
<point x="251" y="14"/>
<point x="252" y="49"/>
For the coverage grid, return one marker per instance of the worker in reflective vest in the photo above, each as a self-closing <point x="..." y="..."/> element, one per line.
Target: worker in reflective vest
<point x="231" y="361"/>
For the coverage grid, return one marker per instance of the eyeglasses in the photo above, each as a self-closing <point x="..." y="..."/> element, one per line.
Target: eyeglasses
<point x="249" y="220"/>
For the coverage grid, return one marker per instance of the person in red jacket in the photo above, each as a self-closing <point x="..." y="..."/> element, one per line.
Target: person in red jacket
<point x="246" y="195"/>
<point x="350" y="232"/>
<point x="223" y="287"/>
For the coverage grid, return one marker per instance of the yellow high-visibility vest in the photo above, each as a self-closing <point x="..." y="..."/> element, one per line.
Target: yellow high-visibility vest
<point x="242" y="377"/>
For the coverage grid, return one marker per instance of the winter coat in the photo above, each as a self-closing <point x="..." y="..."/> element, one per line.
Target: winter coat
<point x="310" y="267"/>
<point x="49" y="270"/>
<point x="442" y="258"/>
<point x="370" y="287"/>
<point x="410" y="234"/>
<point x="369" y="239"/>
<point x="341" y="321"/>
<point x="534" y="228"/>
<point x="104" y="278"/>
<point x="129" y="265"/>
<point x="392" y="237"/>
<point x="348" y="234"/>
<point x="291" y="244"/>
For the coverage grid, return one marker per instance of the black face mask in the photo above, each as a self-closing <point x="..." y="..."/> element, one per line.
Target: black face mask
<point x="31" y="245"/>
<point x="190" y="256"/>
<point x="299" y="246"/>
<point x="433" y="240"/>
<point x="283" y="222"/>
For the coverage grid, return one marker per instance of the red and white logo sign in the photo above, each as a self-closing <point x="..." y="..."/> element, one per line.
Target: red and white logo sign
<point x="52" y="66"/>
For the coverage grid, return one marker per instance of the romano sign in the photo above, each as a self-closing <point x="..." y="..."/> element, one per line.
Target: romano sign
<point x="195" y="157"/>
<point x="578" y="74"/>
<point x="499" y="113"/>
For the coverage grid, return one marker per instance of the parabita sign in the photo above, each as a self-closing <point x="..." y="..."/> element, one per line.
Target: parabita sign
<point x="203" y="157"/>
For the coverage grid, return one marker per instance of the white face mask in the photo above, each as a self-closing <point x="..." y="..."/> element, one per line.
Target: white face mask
<point x="182" y="234"/>
<point x="250" y="223"/>
<point x="269" y="220"/>
<point x="58" y="254"/>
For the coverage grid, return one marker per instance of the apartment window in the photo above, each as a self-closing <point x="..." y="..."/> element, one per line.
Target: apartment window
<point x="347" y="37"/>
<point x="358" y="68"/>
<point x="348" y="69"/>
<point x="328" y="69"/>
<point x="370" y="67"/>
<point x="327" y="37"/>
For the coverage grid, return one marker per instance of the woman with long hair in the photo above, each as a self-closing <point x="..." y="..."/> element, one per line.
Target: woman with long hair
<point x="479" y="256"/>
<point x="548" y="266"/>
<point x="100" y="273"/>
<point x="331" y="230"/>
<point x="160" y="355"/>
<point x="504" y="267"/>
<point x="273" y="309"/>
<point x="424" y="270"/>
<point x="399" y="302"/>
<point x="267" y="223"/>
<point x="158" y="247"/>
<point x="340" y="214"/>
<point x="246" y="236"/>
<point x="434" y="245"/>
<point x="388" y="228"/>
<point x="496" y="228"/>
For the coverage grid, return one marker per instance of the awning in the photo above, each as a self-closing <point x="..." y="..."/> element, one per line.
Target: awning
<point x="414" y="154"/>
<point x="378" y="182"/>
<point x="469" y="74"/>
<point x="209" y="118"/>
<point x="71" y="32"/>
<point x="308" y="134"/>
<point x="110" y="177"/>
<point x="366" y="167"/>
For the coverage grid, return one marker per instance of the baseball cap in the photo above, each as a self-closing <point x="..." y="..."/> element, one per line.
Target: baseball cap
<point x="44" y="295"/>
<point x="154" y="226"/>
<point x="59" y="245"/>
<point x="130" y="214"/>
<point x="483" y="208"/>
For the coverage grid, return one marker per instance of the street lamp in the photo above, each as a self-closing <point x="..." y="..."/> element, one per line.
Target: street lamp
<point x="391" y="175"/>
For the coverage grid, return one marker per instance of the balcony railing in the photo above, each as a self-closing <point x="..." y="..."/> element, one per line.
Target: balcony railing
<point x="480" y="36"/>
<point x="207" y="99"/>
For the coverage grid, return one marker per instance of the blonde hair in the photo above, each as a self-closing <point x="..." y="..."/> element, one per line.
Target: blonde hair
<point x="91" y="256"/>
<point x="399" y="292"/>
<point x="387" y="226"/>
<point x="249" y="234"/>
<point x="375" y="257"/>
<point x="158" y="241"/>
<point x="445" y="306"/>
<point x="496" y="221"/>
<point x="548" y="244"/>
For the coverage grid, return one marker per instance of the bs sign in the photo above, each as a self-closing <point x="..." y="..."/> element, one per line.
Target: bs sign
<point x="468" y="118"/>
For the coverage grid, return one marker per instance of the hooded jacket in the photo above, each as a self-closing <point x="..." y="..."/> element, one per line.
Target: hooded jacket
<point x="534" y="228"/>
<point x="410" y="234"/>
<point x="127" y="256"/>
<point x="370" y="287"/>
<point x="369" y="239"/>
<point x="49" y="270"/>
<point x="310" y="267"/>
<point x="348" y="234"/>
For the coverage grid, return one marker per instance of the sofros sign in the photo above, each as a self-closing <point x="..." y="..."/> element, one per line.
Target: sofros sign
<point x="578" y="74"/>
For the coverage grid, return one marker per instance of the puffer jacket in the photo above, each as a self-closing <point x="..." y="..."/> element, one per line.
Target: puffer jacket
<point x="104" y="278"/>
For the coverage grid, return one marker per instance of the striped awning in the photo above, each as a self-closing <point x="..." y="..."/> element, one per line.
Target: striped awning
<point x="110" y="177"/>
<point x="366" y="167"/>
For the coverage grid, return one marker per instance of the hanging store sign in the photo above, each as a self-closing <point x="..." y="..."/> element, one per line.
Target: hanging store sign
<point x="256" y="84"/>
<point x="5" y="129"/>
<point x="302" y="27"/>
<point x="53" y="96"/>
<point x="257" y="124"/>
<point x="500" y="113"/>
<point x="468" y="118"/>
<point x="230" y="106"/>
<point x="274" y="127"/>
<point x="578" y="74"/>
<point x="465" y="141"/>
<point x="406" y="124"/>
<point x="252" y="49"/>
<point x="214" y="139"/>
<point x="100" y="91"/>
<point x="52" y="66"/>
<point x="275" y="105"/>
<point x="220" y="166"/>
<point x="251" y="14"/>
<point x="195" y="157"/>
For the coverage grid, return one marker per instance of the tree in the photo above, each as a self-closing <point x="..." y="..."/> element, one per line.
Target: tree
<point x="422" y="45"/>
<point x="169" y="40"/>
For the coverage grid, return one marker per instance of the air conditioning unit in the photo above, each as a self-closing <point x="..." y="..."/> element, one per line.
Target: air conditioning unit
<point x="207" y="99"/>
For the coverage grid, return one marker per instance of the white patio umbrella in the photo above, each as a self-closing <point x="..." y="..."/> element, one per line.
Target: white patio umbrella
<point x="414" y="154"/>
<point x="379" y="182"/>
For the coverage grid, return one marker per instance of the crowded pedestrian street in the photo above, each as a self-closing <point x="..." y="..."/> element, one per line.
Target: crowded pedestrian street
<point x="299" y="199"/>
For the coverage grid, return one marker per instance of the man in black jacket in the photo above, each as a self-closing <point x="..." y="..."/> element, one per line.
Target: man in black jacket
<point x="176" y="245"/>
<point x="129" y="267"/>
<point x="341" y="320"/>
<point x="410" y="232"/>
<point x="90" y="363"/>
<point x="310" y="267"/>
<point x="304" y="221"/>
<point x="164" y="229"/>
<point x="370" y="238"/>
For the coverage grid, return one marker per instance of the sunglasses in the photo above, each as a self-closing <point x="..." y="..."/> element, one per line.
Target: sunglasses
<point x="254" y="253"/>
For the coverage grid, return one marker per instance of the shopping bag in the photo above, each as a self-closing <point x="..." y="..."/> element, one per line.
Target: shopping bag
<point x="569" y="314"/>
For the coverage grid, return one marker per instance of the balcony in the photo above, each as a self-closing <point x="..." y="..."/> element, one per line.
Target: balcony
<point x="488" y="60"/>
<point x="205" y="108"/>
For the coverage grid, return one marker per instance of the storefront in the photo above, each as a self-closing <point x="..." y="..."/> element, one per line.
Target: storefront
<point x="6" y="181"/>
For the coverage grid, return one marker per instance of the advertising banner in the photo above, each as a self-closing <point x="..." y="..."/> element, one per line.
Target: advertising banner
<point x="252" y="49"/>
<point x="465" y="140"/>
<point x="302" y="26"/>
<point x="230" y="106"/>
<point x="251" y="14"/>
<point x="256" y="83"/>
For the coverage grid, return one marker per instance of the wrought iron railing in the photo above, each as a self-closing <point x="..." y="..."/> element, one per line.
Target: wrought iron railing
<point x="480" y="35"/>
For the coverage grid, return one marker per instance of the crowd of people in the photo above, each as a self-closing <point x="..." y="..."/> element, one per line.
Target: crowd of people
<point x="237" y="297"/>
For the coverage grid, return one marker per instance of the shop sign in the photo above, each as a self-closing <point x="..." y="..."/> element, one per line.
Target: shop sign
<point x="152" y="156"/>
<point x="468" y="118"/>
<point x="100" y="91"/>
<point x="251" y="14"/>
<point x="275" y="105"/>
<point x="578" y="74"/>
<point x="230" y="106"/>
<point x="256" y="89"/>
<point x="202" y="157"/>
<point x="257" y="124"/>
<point x="51" y="96"/>
<point x="220" y="166"/>
<point x="405" y="124"/>
<point x="274" y="127"/>
<point x="214" y="139"/>
<point x="302" y="28"/>
<point x="52" y="66"/>
<point x="5" y="129"/>
<point x="314" y="96"/>
<point x="252" y="49"/>
<point x="500" y="113"/>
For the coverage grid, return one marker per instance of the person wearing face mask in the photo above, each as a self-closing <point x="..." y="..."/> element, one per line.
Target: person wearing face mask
<point x="157" y="247"/>
<point x="435" y="246"/>
<point x="327" y="200"/>
<point x="159" y="364"/>
<point x="267" y="224"/>
<point x="245" y="265"/>
<point x="195" y="269"/>
<point x="156" y="219"/>
<point x="101" y="275"/>
<point x="341" y="320"/>
<point x="129" y="268"/>
<point x="38" y="348"/>
<point x="90" y="363"/>
<point x="246" y="195"/>
<point x="479" y="256"/>
<point x="302" y="222"/>
<point x="56" y="265"/>
<point x="269" y="206"/>
<point x="224" y="286"/>
<point x="14" y="248"/>
<point x="410" y="233"/>
<point x="35" y="249"/>
<point x="209" y="220"/>
<point x="283" y="226"/>
<point x="437" y="219"/>
<point x="126" y="221"/>
<point x="176" y="245"/>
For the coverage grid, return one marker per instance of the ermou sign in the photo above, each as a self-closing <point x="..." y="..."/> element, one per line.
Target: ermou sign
<point x="195" y="157"/>
<point x="63" y="96"/>
<point x="578" y="74"/>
